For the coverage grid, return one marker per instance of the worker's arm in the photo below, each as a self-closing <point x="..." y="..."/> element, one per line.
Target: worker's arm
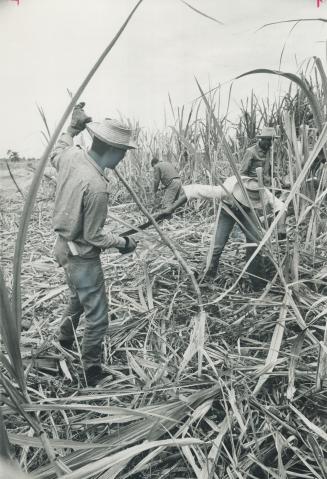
<point x="78" y="122"/>
<point x="244" y="169"/>
<point x="267" y="172"/>
<point x="204" y="192"/>
<point x="196" y="191"/>
<point x="189" y="192"/>
<point x="95" y="212"/>
<point x="65" y="141"/>
<point x="156" y="178"/>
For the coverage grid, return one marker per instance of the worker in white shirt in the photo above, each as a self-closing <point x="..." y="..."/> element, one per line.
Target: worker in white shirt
<point x="236" y="208"/>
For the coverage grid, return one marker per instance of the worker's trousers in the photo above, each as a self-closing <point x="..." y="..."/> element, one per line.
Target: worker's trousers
<point x="87" y="294"/>
<point x="172" y="192"/>
<point x="224" y="228"/>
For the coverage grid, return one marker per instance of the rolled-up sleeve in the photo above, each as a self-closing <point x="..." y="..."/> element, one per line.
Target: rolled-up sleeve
<point x="65" y="141"/>
<point x="95" y="213"/>
<point x="205" y="192"/>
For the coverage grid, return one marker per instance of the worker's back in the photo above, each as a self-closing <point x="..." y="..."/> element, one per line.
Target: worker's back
<point x="166" y="171"/>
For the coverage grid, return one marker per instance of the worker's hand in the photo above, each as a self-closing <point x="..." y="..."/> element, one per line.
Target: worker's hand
<point x="129" y="246"/>
<point x="79" y="120"/>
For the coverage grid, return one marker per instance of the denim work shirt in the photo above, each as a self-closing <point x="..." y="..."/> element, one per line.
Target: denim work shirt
<point x="81" y="201"/>
<point x="164" y="172"/>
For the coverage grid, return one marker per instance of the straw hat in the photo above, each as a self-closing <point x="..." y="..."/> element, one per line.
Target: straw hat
<point x="113" y="133"/>
<point x="268" y="132"/>
<point x="253" y="190"/>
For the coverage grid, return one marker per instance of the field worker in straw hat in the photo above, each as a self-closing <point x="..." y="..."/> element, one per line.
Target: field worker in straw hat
<point x="80" y="212"/>
<point x="166" y="174"/>
<point x="236" y="208"/>
<point x="258" y="155"/>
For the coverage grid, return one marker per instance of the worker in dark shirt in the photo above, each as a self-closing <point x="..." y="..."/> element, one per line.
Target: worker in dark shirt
<point x="166" y="174"/>
<point x="80" y="212"/>
<point x="258" y="155"/>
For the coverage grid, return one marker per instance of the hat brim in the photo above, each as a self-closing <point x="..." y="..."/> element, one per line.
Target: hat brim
<point x="241" y="198"/>
<point x="93" y="129"/>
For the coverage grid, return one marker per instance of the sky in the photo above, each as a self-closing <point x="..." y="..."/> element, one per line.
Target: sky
<point x="48" y="46"/>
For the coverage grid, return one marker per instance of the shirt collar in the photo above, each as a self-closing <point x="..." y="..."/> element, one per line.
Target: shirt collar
<point x="95" y="165"/>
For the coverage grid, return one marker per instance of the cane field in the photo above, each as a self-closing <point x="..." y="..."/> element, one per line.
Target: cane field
<point x="205" y="381"/>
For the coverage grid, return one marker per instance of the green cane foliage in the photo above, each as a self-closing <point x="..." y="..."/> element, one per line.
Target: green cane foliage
<point x="13" y="179"/>
<point x="202" y="13"/>
<point x="148" y="429"/>
<point x="15" y="369"/>
<point x="4" y="441"/>
<point x="302" y="83"/>
<point x="10" y="337"/>
<point x="46" y="134"/>
<point x="297" y="20"/>
<point x="323" y="77"/>
<point x="17" y="402"/>
<point x="30" y="200"/>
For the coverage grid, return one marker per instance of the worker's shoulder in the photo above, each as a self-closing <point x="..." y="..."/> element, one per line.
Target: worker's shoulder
<point x="86" y="175"/>
<point x="167" y="165"/>
<point x="61" y="152"/>
<point x="95" y="185"/>
<point x="251" y="149"/>
<point x="74" y="149"/>
<point x="70" y="153"/>
<point x="95" y="182"/>
<point x="163" y="163"/>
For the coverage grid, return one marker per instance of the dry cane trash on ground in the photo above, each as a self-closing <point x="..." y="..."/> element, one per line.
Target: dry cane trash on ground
<point x="153" y="391"/>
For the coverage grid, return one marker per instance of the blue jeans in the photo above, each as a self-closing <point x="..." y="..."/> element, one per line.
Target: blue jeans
<point x="224" y="228"/>
<point x="85" y="279"/>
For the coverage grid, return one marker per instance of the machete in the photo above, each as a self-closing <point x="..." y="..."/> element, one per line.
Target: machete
<point x="161" y="215"/>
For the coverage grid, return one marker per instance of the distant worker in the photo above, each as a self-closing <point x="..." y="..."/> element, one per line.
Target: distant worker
<point x="80" y="213"/>
<point x="236" y="208"/>
<point x="166" y="173"/>
<point x="258" y="155"/>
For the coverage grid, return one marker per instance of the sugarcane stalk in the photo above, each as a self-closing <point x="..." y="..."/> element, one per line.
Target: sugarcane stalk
<point x="14" y="180"/>
<point x="261" y="192"/>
